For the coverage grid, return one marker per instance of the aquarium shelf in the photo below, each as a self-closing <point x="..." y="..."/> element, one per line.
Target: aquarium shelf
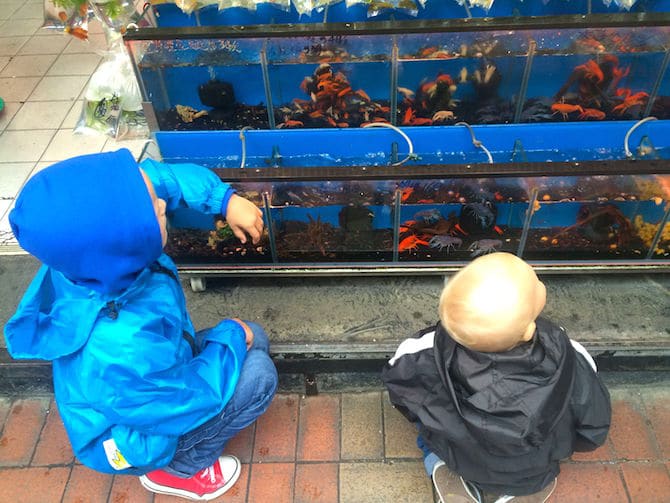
<point x="337" y="214"/>
<point x="400" y="147"/>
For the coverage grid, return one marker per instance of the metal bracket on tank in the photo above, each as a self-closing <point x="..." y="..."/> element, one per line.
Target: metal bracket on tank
<point x="275" y="159"/>
<point x="311" y="387"/>
<point x="646" y="149"/>
<point x="518" y="153"/>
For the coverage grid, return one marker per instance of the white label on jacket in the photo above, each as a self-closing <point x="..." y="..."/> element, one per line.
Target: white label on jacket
<point x="114" y="456"/>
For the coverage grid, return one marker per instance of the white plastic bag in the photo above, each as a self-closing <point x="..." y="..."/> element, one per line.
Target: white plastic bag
<point x="112" y="102"/>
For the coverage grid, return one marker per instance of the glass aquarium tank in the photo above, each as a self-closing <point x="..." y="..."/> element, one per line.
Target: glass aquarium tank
<point x="416" y="146"/>
<point x="596" y="67"/>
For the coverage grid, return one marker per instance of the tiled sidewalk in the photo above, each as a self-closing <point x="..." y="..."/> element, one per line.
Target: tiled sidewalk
<point x="349" y="448"/>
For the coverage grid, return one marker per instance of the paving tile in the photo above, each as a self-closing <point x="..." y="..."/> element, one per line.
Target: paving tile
<point x="11" y="45"/>
<point x="271" y="482"/>
<point x="34" y="65"/>
<point x="22" y="429"/>
<point x="45" y="44"/>
<point x="362" y="426"/>
<point x="12" y="177"/>
<point x="24" y="146"/>
<point x="242" y="444"/>
<point x="630" y="436"/>
<point x="21" y="27"/>
<point x="65" y="144"/>
<point x="319" y="428"/>
<point x="87" y="486"/>
<point x="72" y="117"/>
<point x="40" y="115"/>
<point x="589" y="482"/>
<point x="28" y="11"/>
<point x="59" y="88"/>
<point x="127" y="489"/>
<point x="647" y="482"/>
<point x="658" y="412"/>
<point x="17" y="89"/>
<point x="399" y="482"/>
<point x="33" y="485"/>
<point x="276" y="430"/>
<point x="53" y="447"/>
<point x="8" y="114"/>
<point x="75" y="64"/>
<point x="238" y="493"/>
<point x="602" y="453"/>
<point x="399" y="433"/>
<point x="316" y="483"/>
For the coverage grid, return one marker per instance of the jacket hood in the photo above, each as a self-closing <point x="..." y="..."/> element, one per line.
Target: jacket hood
<point x="53" y="319"/>
<point x="513" y="398"/>
<point x="90" y="218"/>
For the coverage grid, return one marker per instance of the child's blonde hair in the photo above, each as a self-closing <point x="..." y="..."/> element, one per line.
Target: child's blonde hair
<point x="491" y="304"/>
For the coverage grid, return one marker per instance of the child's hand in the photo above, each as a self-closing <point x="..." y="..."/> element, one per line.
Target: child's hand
<point x="244" y="218"/>
<point x="248" y="334"/>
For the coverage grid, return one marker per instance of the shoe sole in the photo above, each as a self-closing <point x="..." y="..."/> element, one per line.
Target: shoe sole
<point x="155" y="488"/>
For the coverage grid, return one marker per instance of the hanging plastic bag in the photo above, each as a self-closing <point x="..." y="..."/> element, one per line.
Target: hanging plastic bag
<point x="304" y="6"/>
<point x="320" y="5"/>
<point x="244" y="4"/>
<point x="117" y="15"/>
<point x="625" y="4"/>
<point x="70" y="16"/>
<point x="376" y="7"/>
<point x="284" y="5"/>
<point x="112" y="93"/>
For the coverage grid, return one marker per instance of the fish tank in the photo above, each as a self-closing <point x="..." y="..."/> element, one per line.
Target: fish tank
<point x="415" y="146"/>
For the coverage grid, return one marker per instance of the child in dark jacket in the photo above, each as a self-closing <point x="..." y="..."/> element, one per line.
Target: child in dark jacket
<point x="139" y="391"/>
<point x="500" y="395"/>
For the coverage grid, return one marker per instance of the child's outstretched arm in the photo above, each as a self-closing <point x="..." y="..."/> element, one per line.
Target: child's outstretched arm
<point x="199" y="188"/>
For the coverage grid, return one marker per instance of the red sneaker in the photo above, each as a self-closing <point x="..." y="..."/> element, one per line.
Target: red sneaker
<point x="207" y="484"/>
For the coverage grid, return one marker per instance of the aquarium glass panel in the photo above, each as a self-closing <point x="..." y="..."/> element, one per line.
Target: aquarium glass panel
<point x="449" y="77"/>
<point x="459" y="219"/>
<point x="197" y="84"/>
<point x="594" y="74"/>
<point x="333" y="221"/>
<point x="198" y="238"/>
<point x="327" y="82"/>
<point x="595" y="217"/>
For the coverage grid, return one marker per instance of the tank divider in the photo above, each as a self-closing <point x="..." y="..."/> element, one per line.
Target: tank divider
<point x="526" y="224"/>
<point x="397" y="201"/>
<point x="657" y="84"/>
<point x="266" y="85"/>
<point x="394" y="83"/>
<point x="532" y="46"/>
<point x="659" y="232"/>
<point x="271" y="230"/>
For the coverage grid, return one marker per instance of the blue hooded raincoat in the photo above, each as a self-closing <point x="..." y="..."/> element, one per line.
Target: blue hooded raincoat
<point x="107" y="309"/>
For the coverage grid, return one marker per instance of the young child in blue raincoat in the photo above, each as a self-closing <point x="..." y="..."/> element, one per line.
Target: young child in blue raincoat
<point x="139" y="391"/>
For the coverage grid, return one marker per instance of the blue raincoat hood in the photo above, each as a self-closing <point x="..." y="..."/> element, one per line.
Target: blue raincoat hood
<point x="90" y="218"/>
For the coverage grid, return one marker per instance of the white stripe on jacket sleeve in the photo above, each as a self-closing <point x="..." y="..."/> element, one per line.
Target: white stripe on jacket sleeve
<point x="413" y="345"/>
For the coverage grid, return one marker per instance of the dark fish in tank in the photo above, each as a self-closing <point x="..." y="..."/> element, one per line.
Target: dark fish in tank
<point x="356" y="218"/>
<point x="217" y="94"/>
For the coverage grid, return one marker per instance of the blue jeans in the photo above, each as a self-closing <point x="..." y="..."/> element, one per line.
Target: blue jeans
<point x="201" y="447"/>
<point x="430" y="459"/>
